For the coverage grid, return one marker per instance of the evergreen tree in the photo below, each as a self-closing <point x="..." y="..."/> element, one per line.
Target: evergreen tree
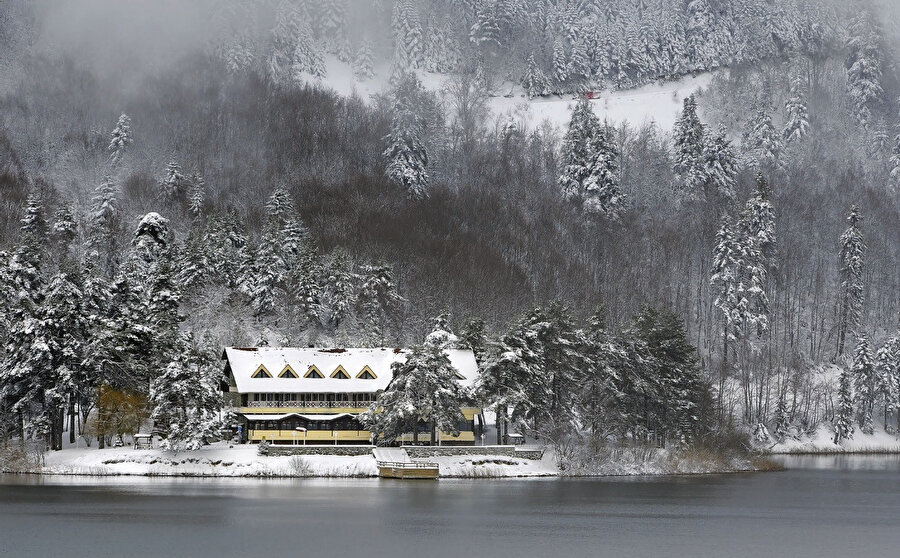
<point x="864" y="384"/>
<point x="720" y="167"/>
<point x="33" y="222"/>
<point x="843" y="417"/>
<point x="796" y="124"/>
<point x="423" y="389"/>
<point x="887" y="367"/>
<point x="405" y="156"/>
<point x="186" y="401"/>
<point x="64" y="230"/>
<point x="887" y="373"/>
<point x="363" y="65"/>
<point x="339" y="289"/>
<point x="895" y="164"/>
<point x="174" y="183"/>
<point x="757" y="226"/>
<point x="763" y="141"/>
<point x="121" y="140"/>
<point x="535" y="82"/>
<point x="852" y="255"/>
<point x="378" y="302"/>
<point x="104" y="227"/>
<point x="864" y="61"/>
<point x="689" y="147"/>
<point x="407" y="30"/>
<point x="725" y="278"/>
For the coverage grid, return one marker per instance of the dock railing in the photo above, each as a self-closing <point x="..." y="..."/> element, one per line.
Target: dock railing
<point x="407" y="464"/>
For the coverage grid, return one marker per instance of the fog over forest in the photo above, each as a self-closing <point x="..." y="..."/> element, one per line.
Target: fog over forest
<point x="176" y="177"/>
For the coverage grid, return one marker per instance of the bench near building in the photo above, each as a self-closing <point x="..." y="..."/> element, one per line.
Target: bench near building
<point x="313" y="396"/>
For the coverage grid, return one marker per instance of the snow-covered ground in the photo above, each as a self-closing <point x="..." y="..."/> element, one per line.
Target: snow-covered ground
<point x="822" y="442"/>
<point x="217" y="460"/>
<point x="220" y="460"/>
<point x="658" y="102"/>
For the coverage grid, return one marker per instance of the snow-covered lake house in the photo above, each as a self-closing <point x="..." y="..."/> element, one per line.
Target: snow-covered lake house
<point x="288" y="395"/>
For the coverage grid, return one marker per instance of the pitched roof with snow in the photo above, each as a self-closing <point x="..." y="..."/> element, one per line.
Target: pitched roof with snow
<point x="301" y="370"/>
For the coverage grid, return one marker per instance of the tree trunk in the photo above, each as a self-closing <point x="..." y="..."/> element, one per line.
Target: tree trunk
<point x="72" y="420"/>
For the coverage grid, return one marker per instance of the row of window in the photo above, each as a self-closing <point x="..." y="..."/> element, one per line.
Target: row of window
<point x="313" y="371"/>
<point x="310" y="397"/>
<point x="338" y="424"/>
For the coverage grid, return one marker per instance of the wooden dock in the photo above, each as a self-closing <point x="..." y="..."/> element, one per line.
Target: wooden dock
<point x="407" y="470"/>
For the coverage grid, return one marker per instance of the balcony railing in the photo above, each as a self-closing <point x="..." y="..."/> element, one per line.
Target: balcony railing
<point x="308" y="404"/>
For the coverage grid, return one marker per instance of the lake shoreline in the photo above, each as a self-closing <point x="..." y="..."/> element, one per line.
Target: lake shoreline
<point x="222" y="461"/>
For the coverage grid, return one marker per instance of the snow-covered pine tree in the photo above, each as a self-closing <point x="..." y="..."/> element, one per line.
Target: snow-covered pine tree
<point x="307" y="58"/>
<point x="33" y="222"/>
<point x="535" y="82"/>
<point x="280" y="206"/>
<point x="720" y="167"/>
<point x="407" y="30"/>
<point x="698" y="27"/>
<point x="63" y="231"/>
<point x="851" y="259"/>
<point x="757" y="227"/>
<point x="560" y="68"/>
<point x="782" y="421"/>
<point x="423" y="389"/>
<point x="152" y="238"/>
<point x="104" y="227"/>
<point x="305" y="286"/>
<point x="173" y="183"/>
<point x="843" y="416"/>
<point x="186" y="400"/>
<point x="796" y="123"/>
<point x="363" y="65"/>
<point x="405" y="156"/>
<point x="43" y="365"/>
<point x="863" y="372"/>
<point x="725" y="278"/>
<point x="290" y="16"/>
<point x="121" y="140"/>
<point x="864" y="73"/>
<point x="485" y="31"/>
<point x="887" y="372"/>
<point x="163" y="317"/>
<point x="762" y="141"/>
<point x="602" y="194"/>
<point x="197" y="197"/>
<point x="895" y="164"/>
<point x="688" y="136"/>
<point x="339" y="291"/>
<point x="378" y="302"/>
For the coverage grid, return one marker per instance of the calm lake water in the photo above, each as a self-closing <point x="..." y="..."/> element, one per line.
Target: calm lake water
<point x="820" y="507"/>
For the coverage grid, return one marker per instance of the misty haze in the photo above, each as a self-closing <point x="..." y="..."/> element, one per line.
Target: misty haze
<point x="373" y="259"/>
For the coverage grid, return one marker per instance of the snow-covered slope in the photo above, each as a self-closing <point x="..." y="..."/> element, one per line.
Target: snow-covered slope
<point x="657" y="102"/>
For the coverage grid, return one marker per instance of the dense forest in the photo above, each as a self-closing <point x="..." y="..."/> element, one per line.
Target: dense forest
<point x="742" y="269"/>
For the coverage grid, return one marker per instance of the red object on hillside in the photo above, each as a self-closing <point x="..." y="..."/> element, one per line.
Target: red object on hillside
<point x="590" y="94"/>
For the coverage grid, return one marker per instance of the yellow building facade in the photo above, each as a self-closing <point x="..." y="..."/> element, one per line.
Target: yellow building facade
<point x="286" y="395"/>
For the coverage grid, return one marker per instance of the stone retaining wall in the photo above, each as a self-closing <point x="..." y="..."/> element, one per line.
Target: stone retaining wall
<point x="422" y="452"/>
<point x="277" y="449"/>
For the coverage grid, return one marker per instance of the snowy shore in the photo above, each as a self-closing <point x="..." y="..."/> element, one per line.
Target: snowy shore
<point x="822" y="442"/>
<point x="220" y="460"/>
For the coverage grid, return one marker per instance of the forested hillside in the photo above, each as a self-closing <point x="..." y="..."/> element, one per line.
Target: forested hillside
<point x="166" y="193"/>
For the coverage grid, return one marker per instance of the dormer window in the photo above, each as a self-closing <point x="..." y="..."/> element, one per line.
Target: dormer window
<point x="366" y="374"/>
<point x="261" y="372"/>
<point x="340" y="374"/>
<point x="313" y="372"/>
<point x="288" y="372"/>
